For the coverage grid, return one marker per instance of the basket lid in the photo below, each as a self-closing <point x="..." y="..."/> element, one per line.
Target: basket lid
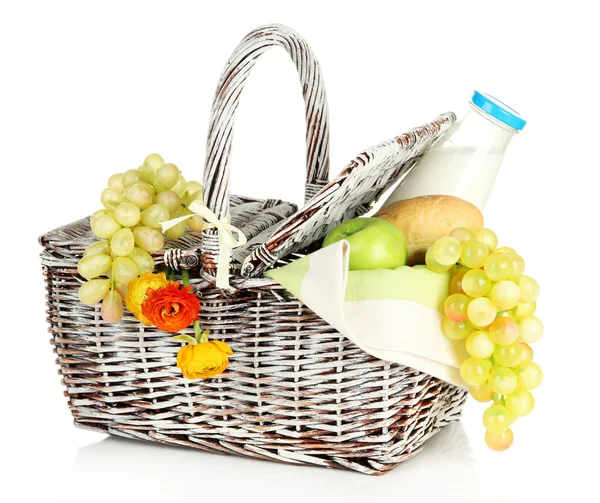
<point x="352" y="193"/>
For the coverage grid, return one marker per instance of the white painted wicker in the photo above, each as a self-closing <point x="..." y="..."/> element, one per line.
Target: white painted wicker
<point x="296" y="391"/>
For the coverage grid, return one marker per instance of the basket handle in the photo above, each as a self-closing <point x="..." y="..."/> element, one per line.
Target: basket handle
<point x="231" y="84"/>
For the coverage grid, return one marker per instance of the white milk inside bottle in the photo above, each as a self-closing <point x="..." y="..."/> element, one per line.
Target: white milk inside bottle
<point x="465" y="162"/>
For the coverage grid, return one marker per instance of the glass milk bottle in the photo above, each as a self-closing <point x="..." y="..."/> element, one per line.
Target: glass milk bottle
<point x="466" y="160"/>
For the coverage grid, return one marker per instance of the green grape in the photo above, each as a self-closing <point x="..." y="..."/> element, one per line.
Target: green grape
<point x="497" y="419"/>
<point x="499" y="442"/>
<point x="181" y="212"/>
<point x="151" y="165"/>
<point x="122" y="242"/>
<point x="517" y="262"/>
<point x="481" y="393"/>
<point x="502" y="380"/>
<point x="505" y="294"/>
<point x="127" y="214"/>
<point x="93" y="291"/>
<point x="455" y="282"/>
<point x="455" y="330"/>
<point x="122" y="289"/>
<point x="124" y="270"/>
<point x="473" y="254"/>
<point x="116" y="182"/>
<point x="150" y="188"/>
<point x="142" y="259"/>
<point x="504" y="331"/>
<point x="433" y="265"/>
<point x="111" y="198"/>
<point x="508" y="356"/>
<point x="529" y="375"/>
<point x="112" y="307"/>
<point x="479" y="345"/>
<point x="530" y="329"/>
<point x="505" y="249"/>
<point x="170" y="199"/>
<point x="105" y="226"/>
<point x="523" y="309"/>
<point x="166" y="177"/>
<point x="475" y="283"/>
<point x="462" y="234"/>
<point x="192" y="187"/>
<point x="446" y="250"/>
<point x="527" y="353"/>
<point x="154" y="215"/>
<point x="529" y="289"/>
<point x="455" y="307"/>
<point x="139" y="194"/>
<point x="520" y="402"/>
<point x="131" y="177"/>
<point x="97" y="213"/>
<point x="177" y="231"/>
<point x="498" y="267"/>
<point x="196" y="223"/>
<point x="481" y="312"/>
<point x="147" y="178"/>
<point x="148" y="239"/>
<point x="487" y="237"/>
<point x="193" y="192"/>
<point x="475" y="371"/>
<point x="194" y="196"/>
<point x="98" y="247"/>
<point x="179" y="187"/>
<point x="93" y="266"/>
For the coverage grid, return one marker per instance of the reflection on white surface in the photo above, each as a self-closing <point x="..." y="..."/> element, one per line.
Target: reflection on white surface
<point x="127" y="468"/>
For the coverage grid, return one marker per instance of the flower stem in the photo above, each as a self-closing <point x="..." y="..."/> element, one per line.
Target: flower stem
<point x="185" y="276"/>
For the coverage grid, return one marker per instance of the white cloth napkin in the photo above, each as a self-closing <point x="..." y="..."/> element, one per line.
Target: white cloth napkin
<point x="393" y="315"/>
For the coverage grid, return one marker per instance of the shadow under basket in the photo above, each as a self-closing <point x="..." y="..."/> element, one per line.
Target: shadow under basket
<point x="296" y="390"/>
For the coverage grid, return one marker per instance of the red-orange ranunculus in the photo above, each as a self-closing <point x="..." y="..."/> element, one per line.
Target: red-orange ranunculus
<point x="171" y="308"/>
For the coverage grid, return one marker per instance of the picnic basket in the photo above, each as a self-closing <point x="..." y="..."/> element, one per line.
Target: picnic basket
<point x="296" y="391"/>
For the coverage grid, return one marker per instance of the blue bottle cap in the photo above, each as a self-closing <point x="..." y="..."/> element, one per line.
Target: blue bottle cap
<point x="498" y="110"/>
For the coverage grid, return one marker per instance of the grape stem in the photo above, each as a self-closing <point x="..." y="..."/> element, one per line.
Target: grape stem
<point x="112" y="277"/>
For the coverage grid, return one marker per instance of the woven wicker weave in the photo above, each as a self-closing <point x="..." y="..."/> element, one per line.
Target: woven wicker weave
<point x="296" y="391"/>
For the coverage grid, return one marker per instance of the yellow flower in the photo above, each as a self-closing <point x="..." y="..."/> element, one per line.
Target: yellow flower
<point x="136" y="293"/>
<point x="206" y="359"/>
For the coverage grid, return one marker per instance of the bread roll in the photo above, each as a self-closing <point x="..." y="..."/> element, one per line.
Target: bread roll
<point x="425" y="219"/>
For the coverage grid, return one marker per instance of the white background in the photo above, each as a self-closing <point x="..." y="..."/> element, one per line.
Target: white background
<point x="90" y="88"/>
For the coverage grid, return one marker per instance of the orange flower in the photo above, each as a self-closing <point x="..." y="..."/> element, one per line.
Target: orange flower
<point x="203" y="360"/>
<point x="171" y="308"/>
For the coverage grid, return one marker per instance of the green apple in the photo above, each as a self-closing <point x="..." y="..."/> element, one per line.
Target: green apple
<point x="375" y="243"/>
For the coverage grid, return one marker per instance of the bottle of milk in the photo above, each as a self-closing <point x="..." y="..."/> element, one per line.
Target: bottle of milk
<point x="465" y="162"/>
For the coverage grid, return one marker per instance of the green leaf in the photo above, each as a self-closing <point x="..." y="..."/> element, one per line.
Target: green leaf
<point x="185" y="338"/>
<point x="203" y="337"/>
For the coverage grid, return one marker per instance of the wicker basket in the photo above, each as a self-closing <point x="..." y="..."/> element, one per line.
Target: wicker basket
<point x="296" y="391"/>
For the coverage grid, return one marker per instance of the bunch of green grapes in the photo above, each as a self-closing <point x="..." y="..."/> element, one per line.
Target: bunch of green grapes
<point x="136" y="203"/>
<point x="491" y="306"/>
